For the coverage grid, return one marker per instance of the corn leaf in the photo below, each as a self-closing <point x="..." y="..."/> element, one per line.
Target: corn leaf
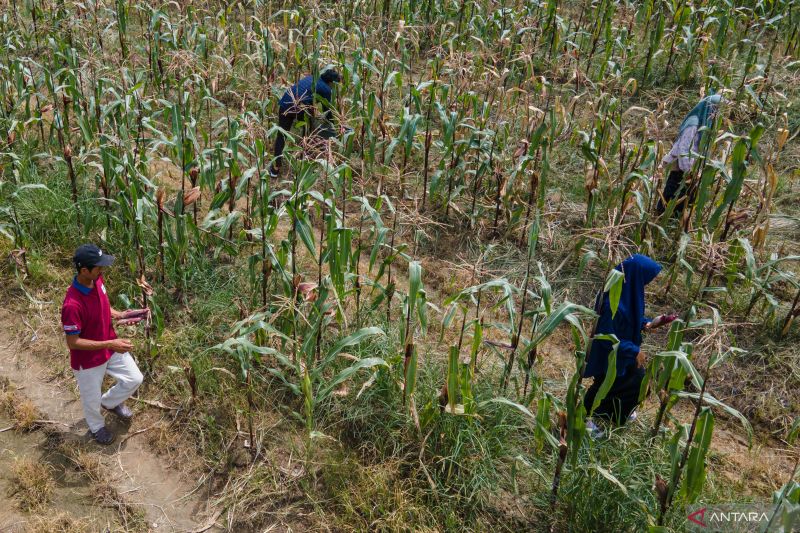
<point x="345" y="374"/>
<point x="710" y="400"/>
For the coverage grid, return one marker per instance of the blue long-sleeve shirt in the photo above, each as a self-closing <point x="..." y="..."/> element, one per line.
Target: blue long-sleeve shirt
<point x="620" y="325"/>
<point x="639" y="270"/>
<point x="302" y="93"/>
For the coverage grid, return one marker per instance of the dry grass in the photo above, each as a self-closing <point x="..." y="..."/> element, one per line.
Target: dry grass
<point x="90" y="464"/>
<point x="374" y="497"/>
<point x="58" y="523"/>
<point x="20" y="409"/>
<point x="32" y="484"/>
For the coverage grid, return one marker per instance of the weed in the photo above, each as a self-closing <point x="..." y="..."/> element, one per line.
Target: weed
<point x="32" y="483"/>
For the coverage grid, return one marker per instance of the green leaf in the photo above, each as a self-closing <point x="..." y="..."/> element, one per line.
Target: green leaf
<point x="734" y="188"/>
<point x="452" y="378"/>
<point x="684" y="361"/>
<point x="613" y="287"/>
<point x="351" y="340"/>
<point x="542" y="429"/>
<point x="525" y="411"/>
<point x="303" y="229"/>
<point x="609" y="476"/>
<point x="342" y="376"/>
<point x="414" y="284"/>
<point x="565" y="311"/>
<point x="410" y="382"/>
<point x="710" y="400"/>
<point x="696" y="464"/>
<point x="611" y="375"/>
<point x="794" y="432"/>
<point x="477" y="338"/>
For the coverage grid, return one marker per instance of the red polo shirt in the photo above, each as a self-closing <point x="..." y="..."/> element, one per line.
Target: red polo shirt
<point x="86" y="312"/>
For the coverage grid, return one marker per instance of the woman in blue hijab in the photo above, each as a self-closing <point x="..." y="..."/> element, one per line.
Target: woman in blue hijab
<point x="627" y="324"/>
<point x="681" y="157"/>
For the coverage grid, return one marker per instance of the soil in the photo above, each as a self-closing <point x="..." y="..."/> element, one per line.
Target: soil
<point x="167" y="497"/>
<point x="71" y="495"/>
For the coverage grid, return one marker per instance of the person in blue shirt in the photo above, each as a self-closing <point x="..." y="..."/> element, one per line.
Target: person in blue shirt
<point x="297" y="102"/>
<point x="627" y="324"/>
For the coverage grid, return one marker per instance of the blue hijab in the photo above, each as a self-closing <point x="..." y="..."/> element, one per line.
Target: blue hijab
<point x="639" y="270"/>
<point x="702" y="114"/>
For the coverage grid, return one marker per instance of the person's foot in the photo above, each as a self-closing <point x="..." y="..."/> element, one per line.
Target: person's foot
<point x="103" y="436"/>
<point x="595" y="432"/>
<point x="121" y="411"/>
<point x="633" y="416"/>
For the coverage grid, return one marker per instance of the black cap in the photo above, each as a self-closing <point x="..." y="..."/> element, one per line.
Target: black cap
<point x="331" y="75"/>
<point x="90" y="256"/>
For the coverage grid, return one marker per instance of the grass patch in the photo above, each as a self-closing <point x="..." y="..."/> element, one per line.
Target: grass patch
<point x="90" y="465"/>
<point x="32" y="484"/>
<point x="58" y="523"/>
<point x="19" y="408"/>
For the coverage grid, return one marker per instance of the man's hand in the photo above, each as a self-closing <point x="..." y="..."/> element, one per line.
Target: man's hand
<point x="641" y="360"/>
<point x="119" y="345"/>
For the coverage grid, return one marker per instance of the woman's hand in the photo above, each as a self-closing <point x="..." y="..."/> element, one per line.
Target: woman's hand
<point x="641" y="360"/>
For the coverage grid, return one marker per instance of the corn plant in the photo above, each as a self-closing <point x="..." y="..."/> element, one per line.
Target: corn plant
<point x="787" y="499"/>
<point x="521" y="102"/>
<point x="312" y="380"/>
<point x="688" y="463"/>
<point x="414" y="309"/>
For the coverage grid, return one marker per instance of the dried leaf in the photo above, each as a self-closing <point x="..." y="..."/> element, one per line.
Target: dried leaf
<point x="782" y="137"/>
<point x="497" y="344"/>
<point x="142" y="283"/>
<point x="18" y="256"/>
<point x="458" y="409"/>
<point x="736" y="216"/>
<point x="308" y="290"/>
<point x="521" y="148"/>
<point x="662" y="490"/>
<point x="590" y="180"/>
<point x="191" y="196"/>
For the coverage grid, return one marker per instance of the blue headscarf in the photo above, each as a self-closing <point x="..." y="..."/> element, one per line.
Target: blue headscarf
<point x="701" y="115"/>
<point x="639" y="270"/>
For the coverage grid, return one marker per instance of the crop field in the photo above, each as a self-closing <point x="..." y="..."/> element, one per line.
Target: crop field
<point x="389" y="331"/>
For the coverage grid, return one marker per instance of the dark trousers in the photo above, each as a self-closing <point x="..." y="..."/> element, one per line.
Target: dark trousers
<point x="621" y="400"/>
<point x="672" y="187"/>
<point x="286" y="121"/>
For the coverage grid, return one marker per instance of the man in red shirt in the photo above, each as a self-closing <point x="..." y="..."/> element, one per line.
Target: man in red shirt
<point x="94" y="347"/>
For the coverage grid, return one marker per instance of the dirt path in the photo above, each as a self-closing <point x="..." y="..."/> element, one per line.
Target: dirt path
<point x="167" y="498"/>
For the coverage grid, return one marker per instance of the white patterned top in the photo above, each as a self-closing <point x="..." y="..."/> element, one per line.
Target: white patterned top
<point x="686" y="143"/>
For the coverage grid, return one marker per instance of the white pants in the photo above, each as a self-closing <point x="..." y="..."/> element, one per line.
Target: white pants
<point x="123" y="369"/>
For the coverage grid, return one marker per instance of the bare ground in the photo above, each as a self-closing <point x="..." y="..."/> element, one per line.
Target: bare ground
<point x="168" y="499"/>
